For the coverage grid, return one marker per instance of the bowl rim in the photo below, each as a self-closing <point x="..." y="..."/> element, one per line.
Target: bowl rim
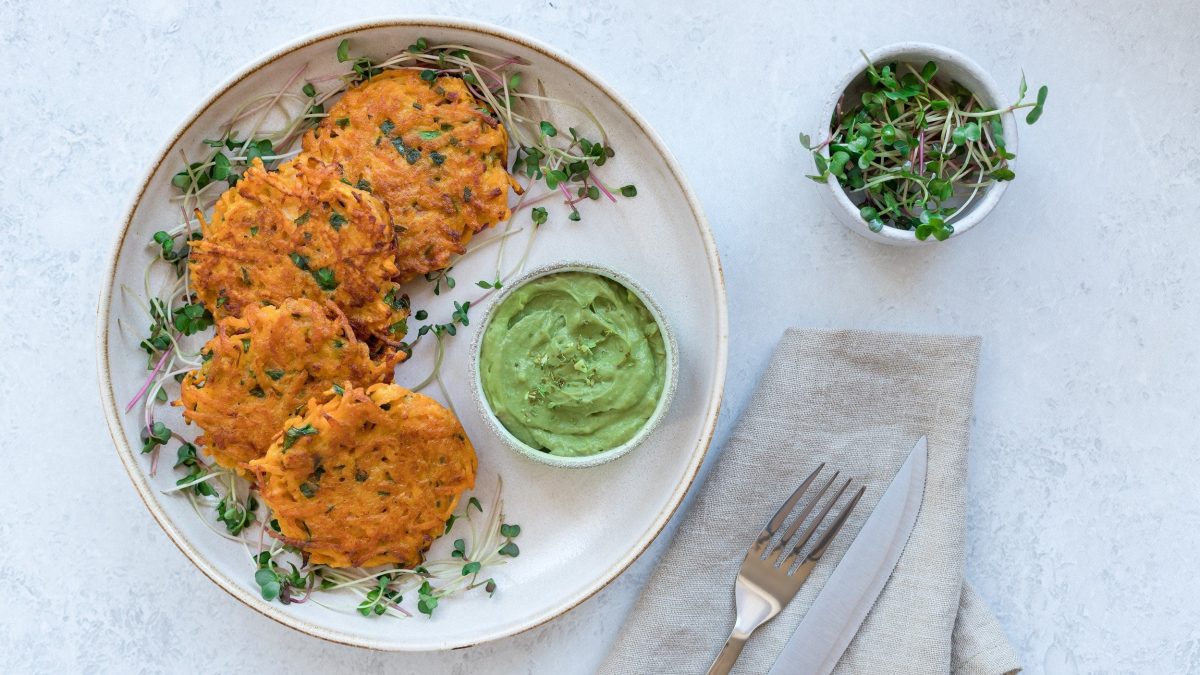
<point x="661" y="408"/>
<point x="988" y="90"/>
<point x="104" y="305"/>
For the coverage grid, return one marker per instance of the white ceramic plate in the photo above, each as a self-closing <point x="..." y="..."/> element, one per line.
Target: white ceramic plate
<point x="580" y="528"/>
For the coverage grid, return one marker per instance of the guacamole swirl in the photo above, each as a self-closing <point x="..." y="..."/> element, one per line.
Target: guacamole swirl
<point x="572" y="363"/>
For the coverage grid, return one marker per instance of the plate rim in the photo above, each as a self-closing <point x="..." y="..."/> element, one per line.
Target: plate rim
<point x="129" y="458"/>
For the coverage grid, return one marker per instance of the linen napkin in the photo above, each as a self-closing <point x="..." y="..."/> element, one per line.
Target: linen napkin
<point x="857" y="400"/>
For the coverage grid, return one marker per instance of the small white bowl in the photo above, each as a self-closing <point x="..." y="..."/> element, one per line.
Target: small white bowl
<point x="664" y="399"/>
<point x="951" y="64"/>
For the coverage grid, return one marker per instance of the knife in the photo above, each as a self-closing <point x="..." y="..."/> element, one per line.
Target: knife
<point x="850" y="592"/>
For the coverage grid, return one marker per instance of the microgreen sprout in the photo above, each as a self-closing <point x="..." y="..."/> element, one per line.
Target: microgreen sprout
<point x="157" y="434"/>
<point x="460" y="313"/>
<point x="914" y="149"/>
<point x="192" y="318"/>
<point x="441" y="277"/>
<point x="198" y="474"/>
<point x="380" y="598"/>
<point x="269" y="583"/>
<point x="235" y="516"/>
<point x="428" y="599"/>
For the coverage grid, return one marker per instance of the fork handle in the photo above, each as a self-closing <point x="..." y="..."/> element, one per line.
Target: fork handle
<point x="729" y="653"/>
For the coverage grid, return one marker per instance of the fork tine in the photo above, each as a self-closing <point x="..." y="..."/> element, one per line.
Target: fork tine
<point x="827" y="537"/>
<point x="789" y="557"/>
<point x="804" y="513"/>
<point x="781" y="515"/>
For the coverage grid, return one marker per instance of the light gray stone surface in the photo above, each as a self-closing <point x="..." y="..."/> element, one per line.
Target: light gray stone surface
<point x="1085" y="284"/>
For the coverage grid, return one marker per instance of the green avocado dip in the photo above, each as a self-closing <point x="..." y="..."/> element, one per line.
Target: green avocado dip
<point x="572" y="363"/>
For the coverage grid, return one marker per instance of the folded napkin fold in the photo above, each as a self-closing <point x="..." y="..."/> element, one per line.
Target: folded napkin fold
<point x="857" y="400"/>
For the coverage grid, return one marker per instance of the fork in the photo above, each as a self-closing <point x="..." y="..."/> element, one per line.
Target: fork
<point x="766" y="581"/>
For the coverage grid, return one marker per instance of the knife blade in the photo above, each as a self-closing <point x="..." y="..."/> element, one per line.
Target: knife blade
<point x="842" y="604"/>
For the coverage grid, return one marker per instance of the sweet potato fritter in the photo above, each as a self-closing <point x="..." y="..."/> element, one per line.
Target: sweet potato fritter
<point x="430" y="151"/>
<point x="300" y="232"/>
<point x="367" y="477"/>
<point x="260" y="368"/>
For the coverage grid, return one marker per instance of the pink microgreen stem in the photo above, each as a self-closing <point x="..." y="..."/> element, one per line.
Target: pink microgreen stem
<point x="600" y="184"/>
<point x="532" y="202"/>
<point x="570" y="200"/>
<point x="307" y="593"/>
<point x="149" y="380"/>
<point x="400" y="609"/>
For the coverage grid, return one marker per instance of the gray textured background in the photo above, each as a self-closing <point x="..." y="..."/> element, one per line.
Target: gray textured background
<point x="1084" y="284"/>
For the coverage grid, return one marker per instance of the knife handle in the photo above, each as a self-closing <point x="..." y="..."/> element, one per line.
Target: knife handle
<point x="729" y="653"/>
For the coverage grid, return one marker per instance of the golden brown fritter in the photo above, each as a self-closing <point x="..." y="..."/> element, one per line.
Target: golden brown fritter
<point x="367" y="477"/>
<point x="260" y="368"/>
<point x="430" y="151"/>
<point x="300" y="232"/>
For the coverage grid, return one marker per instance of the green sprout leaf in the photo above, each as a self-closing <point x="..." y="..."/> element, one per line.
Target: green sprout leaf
<point x="871" y="215"/>
<point x="268" y="583"/>
<point x="427" y="599"/>
<point x="997" y="133"/>
<point x="837" y="163"/>
<point x="1036" y="114"/>
<point x="191" y="319"/>
<point x="941" y="188"/>
<point x="158" y="434"/>
<point x="220" y="169"/>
